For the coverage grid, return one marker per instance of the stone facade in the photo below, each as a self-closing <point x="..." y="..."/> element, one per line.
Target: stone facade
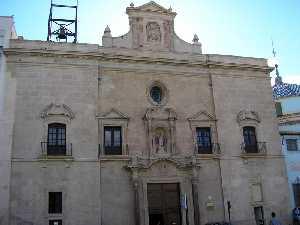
<point x="89" y="87"/>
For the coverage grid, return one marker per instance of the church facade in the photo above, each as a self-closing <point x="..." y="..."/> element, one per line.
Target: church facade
<point x="144" y="130"/>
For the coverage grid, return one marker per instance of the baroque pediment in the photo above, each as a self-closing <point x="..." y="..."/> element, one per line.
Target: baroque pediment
<point x="244" y="116"/>
<point x="114" y="114"/>
<point x="54" y="109"/>
<point x="151" y="29"/>
<point x="202" y="116"/>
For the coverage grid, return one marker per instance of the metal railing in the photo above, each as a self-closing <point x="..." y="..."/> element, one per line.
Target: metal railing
<point x="213" y="148"/>
<point x="56" y="150"/>
<point x="258" y="147"/>
<point x="123" y="152"/>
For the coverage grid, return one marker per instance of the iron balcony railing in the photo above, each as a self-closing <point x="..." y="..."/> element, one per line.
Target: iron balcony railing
<point x="49" y="149"/>
<point x="258" y="147"/>
<point x="213" y="148"/>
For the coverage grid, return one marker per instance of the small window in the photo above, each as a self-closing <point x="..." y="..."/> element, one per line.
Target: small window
<point x="113" y="140"/>
<point x="296" y="190"/>
<point x="55" y="202"/>
<point x="55" y="222"/>
<point x="291" y="144"/>
<point x="203" y="140"/>
<point x="156" y="94"/>
<point x="56" y="143"/>
<point x="250" y="143"/>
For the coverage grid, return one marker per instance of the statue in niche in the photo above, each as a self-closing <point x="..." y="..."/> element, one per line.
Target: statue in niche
<point x="153" y="32"/>
<point x="160" y="141"/>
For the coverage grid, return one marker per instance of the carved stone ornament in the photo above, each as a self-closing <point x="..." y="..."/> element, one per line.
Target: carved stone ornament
<point x="137" y="162"/>
<point x="57" y="110"/>
<point x="113" y="114"/>
<point x="161" y="126"/>
<point x="202" y="116"/>
<point x="160" y="114"/>
<point x="244" y="116"/>
<point x="153" y="32"/>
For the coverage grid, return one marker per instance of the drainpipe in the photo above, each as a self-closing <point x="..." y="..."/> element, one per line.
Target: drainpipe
<point x="217" y="136"/>
<point x="99" y="153"/>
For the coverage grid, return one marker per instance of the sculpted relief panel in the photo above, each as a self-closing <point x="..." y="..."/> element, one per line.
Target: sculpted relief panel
<point x="153" y="32"/>
<point x="160" y="140"/>
<point x="160" y="124"/>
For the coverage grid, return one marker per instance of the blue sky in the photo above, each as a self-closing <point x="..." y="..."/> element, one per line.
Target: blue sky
<point x="230" y="27"/>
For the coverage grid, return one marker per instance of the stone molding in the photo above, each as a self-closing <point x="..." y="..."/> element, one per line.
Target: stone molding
<point x="113" y="114"/>
<point x="292" y="118"/>
<point x="43" y="49"/>
<point x="202" y="116"/>
<point x="57" y="110"/>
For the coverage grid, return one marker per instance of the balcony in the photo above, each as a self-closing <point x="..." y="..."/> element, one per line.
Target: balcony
<point x="256" y="148"/>
<point x="55" y="150"/>
<point x="213" y="148"/>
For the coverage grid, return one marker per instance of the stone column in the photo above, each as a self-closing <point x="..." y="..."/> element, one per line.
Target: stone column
<point x="172" y="136"/>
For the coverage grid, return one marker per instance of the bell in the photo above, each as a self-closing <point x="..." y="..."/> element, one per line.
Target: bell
<point x="62" y="33"/>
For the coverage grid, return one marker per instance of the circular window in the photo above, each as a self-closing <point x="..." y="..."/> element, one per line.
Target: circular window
<point x="156" y="94"/>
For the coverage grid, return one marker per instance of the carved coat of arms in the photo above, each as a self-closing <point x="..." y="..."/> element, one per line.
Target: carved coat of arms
<point x="153" y="32"/>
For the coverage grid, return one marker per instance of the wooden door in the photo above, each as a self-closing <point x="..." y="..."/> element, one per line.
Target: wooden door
<point x="164" y="204"/>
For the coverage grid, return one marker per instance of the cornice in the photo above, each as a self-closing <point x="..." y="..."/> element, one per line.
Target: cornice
<point x="210" y="61"/>
<point x="290" y="119"/>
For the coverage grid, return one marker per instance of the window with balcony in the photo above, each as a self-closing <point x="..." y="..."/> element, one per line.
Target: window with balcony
<point x="113" y="140"/>
<point x="204" y="145"/>
<point x="56" y="141"/>
<point x="250" y="142"/>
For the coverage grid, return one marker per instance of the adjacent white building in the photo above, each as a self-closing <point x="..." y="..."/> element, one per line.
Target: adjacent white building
<point x="287" y="100"/>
